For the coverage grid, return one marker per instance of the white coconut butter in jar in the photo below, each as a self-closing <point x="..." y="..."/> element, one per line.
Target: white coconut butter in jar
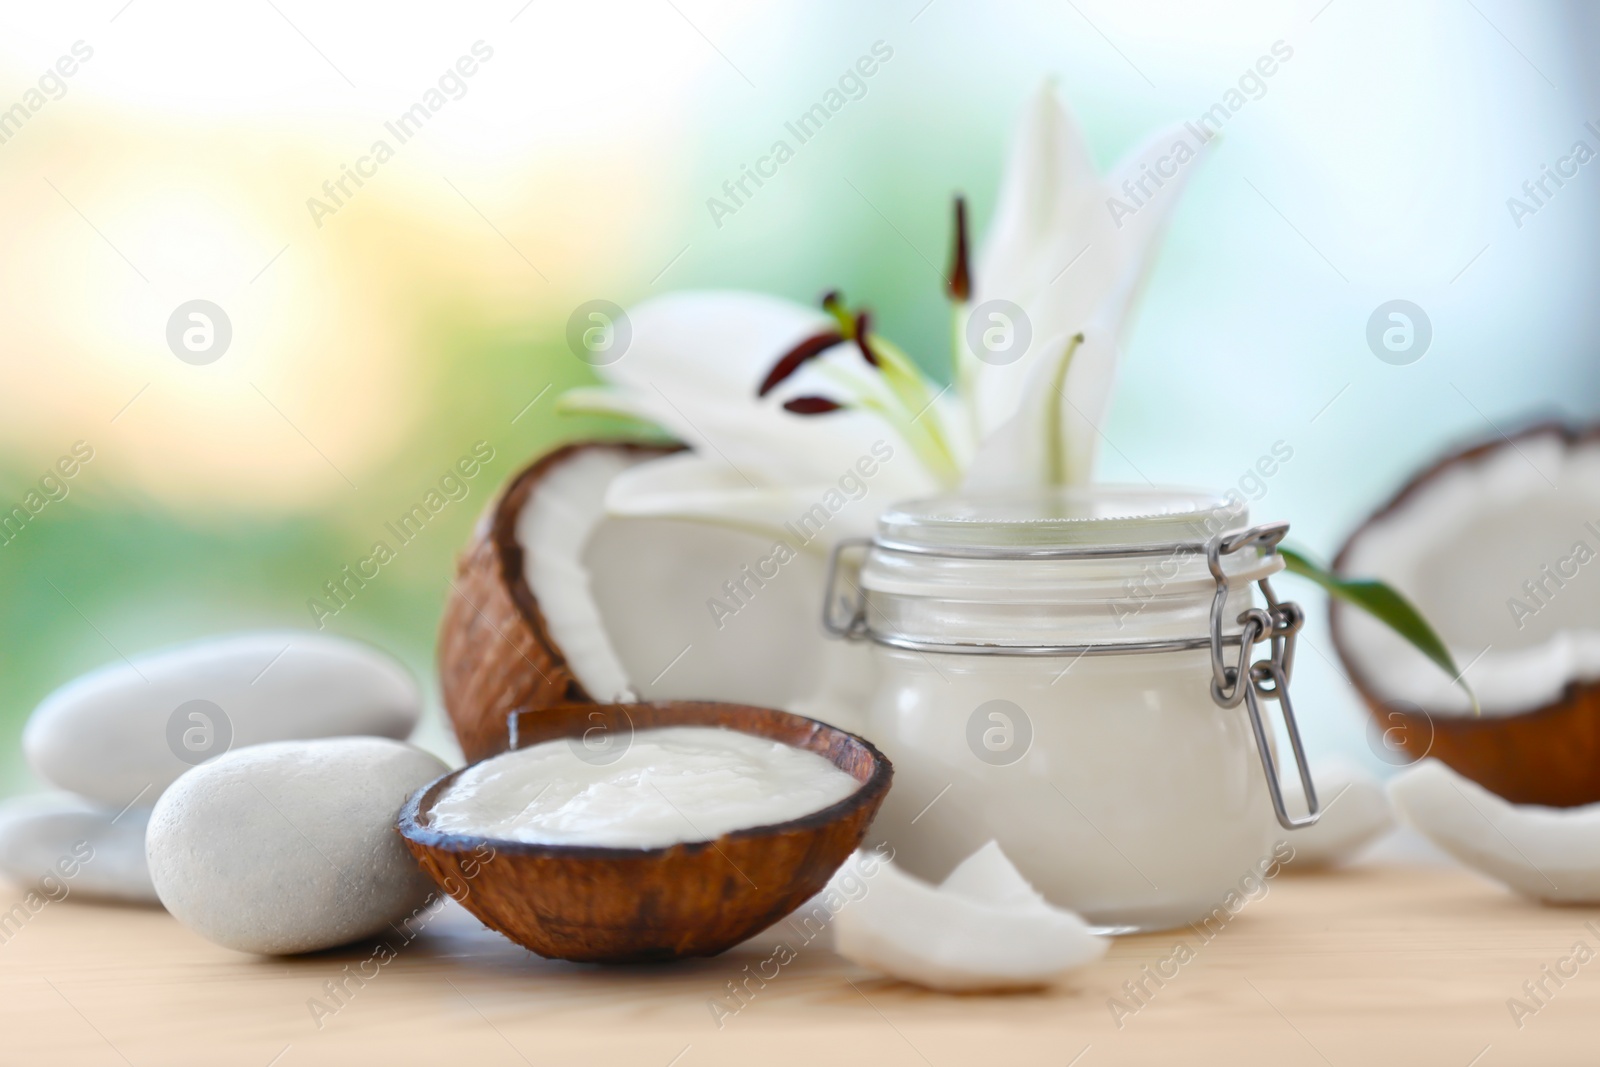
<point x="1082" y="675"/>
<point x="658" y="787"/>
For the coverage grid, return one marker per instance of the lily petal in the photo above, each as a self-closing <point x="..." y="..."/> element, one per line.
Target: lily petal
<point x="1141" y="232"/>
<point x="718" y="343"/>
<point x="1066" y="246"/>
<point x="1048" y="169"/>
<point x="615" y="402"/>
<point x="689" y="486"/>
<point x="1050" y="439"/>
<point x="693" y="367"/>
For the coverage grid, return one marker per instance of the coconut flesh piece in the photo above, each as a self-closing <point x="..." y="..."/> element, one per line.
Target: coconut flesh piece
<point x="1494" y="548"/>
<point x="629" y="601"/>
<point x="983" y="928"/>
<point x="1355" y="812"/>
<point x="1549" y="854"/>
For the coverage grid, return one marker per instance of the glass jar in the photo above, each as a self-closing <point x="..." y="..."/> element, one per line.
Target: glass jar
<point x="1069" y="672"/>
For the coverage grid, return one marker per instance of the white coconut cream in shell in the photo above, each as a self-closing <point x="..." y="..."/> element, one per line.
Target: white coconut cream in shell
<point x="655" y="788"/>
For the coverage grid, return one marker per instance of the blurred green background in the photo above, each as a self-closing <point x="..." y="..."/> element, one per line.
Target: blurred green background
<point x="429" y="311"/>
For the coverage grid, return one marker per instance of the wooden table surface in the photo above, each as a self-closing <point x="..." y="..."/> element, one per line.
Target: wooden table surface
<point x="1367" y="966"/>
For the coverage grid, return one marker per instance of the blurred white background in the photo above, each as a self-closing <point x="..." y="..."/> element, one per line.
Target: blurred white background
<point x="1375" y="165"/>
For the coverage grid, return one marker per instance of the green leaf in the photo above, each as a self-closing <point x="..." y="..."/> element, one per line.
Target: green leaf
<point x="1385" y="604"/>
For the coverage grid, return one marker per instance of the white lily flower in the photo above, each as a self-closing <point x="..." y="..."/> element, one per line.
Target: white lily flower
<point x="1071" y="249"/>
<point x="1066" y="247"/>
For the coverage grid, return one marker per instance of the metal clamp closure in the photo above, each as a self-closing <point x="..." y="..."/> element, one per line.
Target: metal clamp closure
<point x="1245" y="681"/>
<point x="854" y="627"/>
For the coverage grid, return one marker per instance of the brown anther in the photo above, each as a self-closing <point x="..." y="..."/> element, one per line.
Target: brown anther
<point x="863" y="324"/>
<point x="798" y="356"/>
<point x="960" y="280"/>
<point x="811" y="405"/>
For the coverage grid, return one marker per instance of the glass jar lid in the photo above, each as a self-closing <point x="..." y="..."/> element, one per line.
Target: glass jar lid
<point x="1011" y="524"/>
<point x="1065" y="567"/>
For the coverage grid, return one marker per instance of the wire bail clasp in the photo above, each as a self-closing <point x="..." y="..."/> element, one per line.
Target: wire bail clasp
<point x="1265" y="679"/>
<point x="854" y="626"/>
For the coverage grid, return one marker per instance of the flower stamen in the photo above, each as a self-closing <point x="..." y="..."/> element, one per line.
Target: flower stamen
<point x="834" y="305"/>
<point x="798" y="356"/>
<point x="812" y="405"/>
<point x="863" y="324"/>
<point x="959" y="283"/>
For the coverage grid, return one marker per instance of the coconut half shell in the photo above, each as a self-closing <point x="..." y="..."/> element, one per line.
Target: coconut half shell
<point x="1499" y="546"/>
<point x="559" y="600"/>
<point x="618" y="905"/>
<point x="496" y="653"/>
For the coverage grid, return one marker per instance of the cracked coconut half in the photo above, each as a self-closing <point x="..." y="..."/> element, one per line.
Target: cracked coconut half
<point x="1499" y="545"/>
<point x="557" y="602"/>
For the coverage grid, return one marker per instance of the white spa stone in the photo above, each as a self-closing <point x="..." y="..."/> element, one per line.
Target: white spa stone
<point x="1355" y="812"/>
<point x="114" y="734"/>
<point x="1549" y="854"/>
<point x="67" y="847"/>
<point x="660" y="787"/>
<point x="291" y="846"/>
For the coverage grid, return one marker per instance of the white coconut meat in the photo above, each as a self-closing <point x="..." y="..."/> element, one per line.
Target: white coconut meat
<point x="1549" y="854"/>
<point x="1355" y="812"/>
<point x="667" y="608"/>
<point x="983" y="928"/>
<point x="1501" y="553"/>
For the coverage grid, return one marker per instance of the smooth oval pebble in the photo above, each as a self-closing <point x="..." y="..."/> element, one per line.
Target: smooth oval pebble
<point x="291" y="846"/>
<point x="123" y="733"/>
<point x="64" y="846"/>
